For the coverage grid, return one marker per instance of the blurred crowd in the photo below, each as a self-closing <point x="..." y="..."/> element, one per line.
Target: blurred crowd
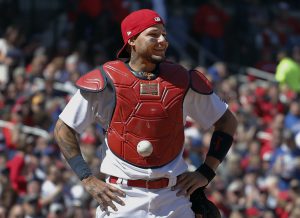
<point x="39" y="64"/>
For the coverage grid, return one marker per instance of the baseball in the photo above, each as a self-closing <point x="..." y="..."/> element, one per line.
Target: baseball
<point x="144" y="148"/>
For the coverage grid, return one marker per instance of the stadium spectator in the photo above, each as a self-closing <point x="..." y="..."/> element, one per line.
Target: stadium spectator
<point x="288" y="71"/>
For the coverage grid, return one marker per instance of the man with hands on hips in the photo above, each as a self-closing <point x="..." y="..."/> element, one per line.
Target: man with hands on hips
<point x="141" y="100"/>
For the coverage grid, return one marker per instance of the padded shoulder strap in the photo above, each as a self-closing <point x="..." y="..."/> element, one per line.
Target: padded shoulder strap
<point x="199" y="83"/>
<point x="93" y="81"/>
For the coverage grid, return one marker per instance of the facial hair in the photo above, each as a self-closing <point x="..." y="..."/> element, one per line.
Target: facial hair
<point x="156" y="59"/>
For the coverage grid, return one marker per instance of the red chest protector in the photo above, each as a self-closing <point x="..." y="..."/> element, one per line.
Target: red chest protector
<point x="149" y="110"/>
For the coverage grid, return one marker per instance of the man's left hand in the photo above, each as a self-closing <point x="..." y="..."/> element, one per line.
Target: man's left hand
<point x="188" y="182"/>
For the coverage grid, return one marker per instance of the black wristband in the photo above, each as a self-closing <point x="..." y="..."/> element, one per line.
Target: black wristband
<point x="207" y="172"/>
<point x="219" y="145"/>
<point x="80" y="167"/>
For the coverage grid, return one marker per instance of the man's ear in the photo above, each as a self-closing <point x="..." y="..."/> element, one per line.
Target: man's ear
<point x="131" y="41"/>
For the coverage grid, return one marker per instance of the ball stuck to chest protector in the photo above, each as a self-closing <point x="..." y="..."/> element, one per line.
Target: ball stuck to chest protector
<point x="144" y="148"/>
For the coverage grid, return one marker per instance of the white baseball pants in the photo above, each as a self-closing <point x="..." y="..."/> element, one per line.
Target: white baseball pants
<point x="154" y="203"/>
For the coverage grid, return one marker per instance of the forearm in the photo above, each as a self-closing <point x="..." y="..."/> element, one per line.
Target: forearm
<point x="66" y="139"/>
<point x="68" y="144"/>
<point x="227" y="124"/>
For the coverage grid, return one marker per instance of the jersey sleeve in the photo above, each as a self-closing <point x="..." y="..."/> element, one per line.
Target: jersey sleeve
<point x="79" y="113"/>
<point x="204" y="109"/>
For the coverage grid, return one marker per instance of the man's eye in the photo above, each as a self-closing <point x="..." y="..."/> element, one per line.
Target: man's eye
<point x="154" y="35"/>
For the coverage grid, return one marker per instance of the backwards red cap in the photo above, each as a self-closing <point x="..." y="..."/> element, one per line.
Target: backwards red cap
<point x="135" y="23"/>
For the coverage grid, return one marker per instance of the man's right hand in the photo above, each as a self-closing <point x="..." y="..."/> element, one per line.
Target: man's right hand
<point x="104" y="193"/>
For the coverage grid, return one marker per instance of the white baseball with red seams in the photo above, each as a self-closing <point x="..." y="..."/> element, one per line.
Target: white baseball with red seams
<point x="144" y="148"/>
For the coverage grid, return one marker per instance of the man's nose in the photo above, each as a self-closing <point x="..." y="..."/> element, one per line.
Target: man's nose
<point x="162" y="38"/>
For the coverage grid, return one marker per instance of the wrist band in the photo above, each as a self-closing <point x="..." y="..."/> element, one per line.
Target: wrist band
<point x="207" y="172"/>
<point x="219" y="145"/>
<point x="80" y="167"/>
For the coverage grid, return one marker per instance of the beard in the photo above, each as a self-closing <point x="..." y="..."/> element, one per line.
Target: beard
<point x="155" y="59"/>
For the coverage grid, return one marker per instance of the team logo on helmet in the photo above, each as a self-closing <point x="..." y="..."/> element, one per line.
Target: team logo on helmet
<point x="157" y="19"/>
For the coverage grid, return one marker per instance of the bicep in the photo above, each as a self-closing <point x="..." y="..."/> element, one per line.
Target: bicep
<point x="204" y="109"/>
<point x="227" y="123"/>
